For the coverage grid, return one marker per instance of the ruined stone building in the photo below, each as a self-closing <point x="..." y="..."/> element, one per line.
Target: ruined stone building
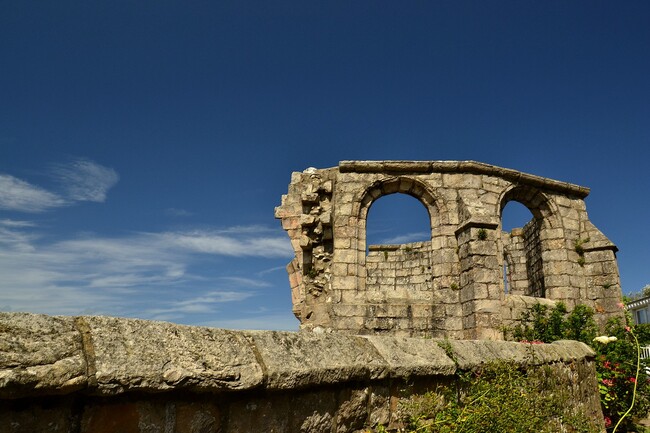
<point x="95" y="374"/>
<point x="468" y="281"/>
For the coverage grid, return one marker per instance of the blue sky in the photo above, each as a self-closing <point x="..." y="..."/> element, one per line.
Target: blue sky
<point x="144" y="145"/>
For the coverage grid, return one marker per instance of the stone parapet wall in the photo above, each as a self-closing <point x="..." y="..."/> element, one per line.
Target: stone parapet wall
<point x="103" y="374"/>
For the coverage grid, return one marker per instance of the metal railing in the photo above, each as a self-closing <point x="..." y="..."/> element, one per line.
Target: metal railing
<point x="645" y="352"/>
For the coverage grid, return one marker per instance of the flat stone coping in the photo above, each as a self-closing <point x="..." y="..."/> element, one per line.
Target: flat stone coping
<point x="53" y="355"/>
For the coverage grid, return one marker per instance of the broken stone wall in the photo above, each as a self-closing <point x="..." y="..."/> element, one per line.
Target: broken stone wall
<point x="337" y="286"/>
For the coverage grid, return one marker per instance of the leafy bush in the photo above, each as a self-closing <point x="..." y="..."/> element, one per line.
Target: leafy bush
<point x="616" y="361"/>
<point x="499" y="397"/>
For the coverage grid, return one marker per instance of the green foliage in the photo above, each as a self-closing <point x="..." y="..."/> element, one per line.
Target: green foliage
<point x="496" y="398"/>
<point x="500" y="397"/>
<point x="544" y="324"/>
<point x="643" y="293"/>
<point x="482" y="234"/>
<point x="580" y="324"/>
<point x="578" y="246"/>
<point x="616" y="367"/>
<point x="580" y="250"/>
<point x="616" y="361"/>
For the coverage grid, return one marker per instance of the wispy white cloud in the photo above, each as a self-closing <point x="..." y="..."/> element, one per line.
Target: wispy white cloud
<point x="18" y="195"/>
<point x="143" y="274"/>
<point x="238" y="243"/>
<point x="173" y="212"/>
<point x="246" y="282"/>
<point x="80" y="180"/>
<point x="85" y="180"/>
<point x="15" y="240"/>
<point x="16" y="223"/>
<point x="273" y="269"/>
<point x="205" y="303"/>
<point x="407" y="237"/>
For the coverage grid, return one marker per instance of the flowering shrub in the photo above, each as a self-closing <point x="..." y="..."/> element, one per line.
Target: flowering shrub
<point x="622" y="380"/>
<point x="500" y="397"/>
<point x="623" y="383"/>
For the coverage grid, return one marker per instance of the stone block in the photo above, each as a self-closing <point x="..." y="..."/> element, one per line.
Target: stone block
<point x="132" y="354"/>
<point x="40" y="355"/>
<point x="352" y="411"/>
<point x="197" y="417"/>
<point x="472" y="354"/>
<point x="557" y="281"/>
<point x="346" y="256"/>
<point x="412" y="357"/>
<point x="296" y="360"/>
<point x="339" y="269"/>
<point x="349" y="310"/>
<point x="554" y="255"/>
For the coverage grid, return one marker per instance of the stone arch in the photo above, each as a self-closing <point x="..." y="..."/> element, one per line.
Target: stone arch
<point x="536" y="201"/>
<point x="401" y="184"/>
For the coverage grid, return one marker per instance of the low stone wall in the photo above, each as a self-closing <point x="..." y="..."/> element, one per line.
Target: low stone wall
<point x="103" y="374"/>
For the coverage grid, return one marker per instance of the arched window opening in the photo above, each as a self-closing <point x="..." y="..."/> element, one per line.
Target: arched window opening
<point x="397" y="219"/>
<point x="522" y="261"/>
<point x="398" y="260"/>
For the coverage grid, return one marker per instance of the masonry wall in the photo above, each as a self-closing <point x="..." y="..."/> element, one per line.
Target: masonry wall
<point x="396" y="272"/>
<point x="336" y="286"/>
<point x="103" y="374"/>
<point x="514" y="256"/>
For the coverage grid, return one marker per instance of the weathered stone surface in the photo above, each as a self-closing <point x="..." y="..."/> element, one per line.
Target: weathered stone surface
<point x="295" y="360"/>
<point x="131" y="354"/>
<point x="39" y="352"/>
<point x="409" y="357"/>
<point x="148" y="377"/>
<point x="464" y="200"/>
<point x="470" y="354"/>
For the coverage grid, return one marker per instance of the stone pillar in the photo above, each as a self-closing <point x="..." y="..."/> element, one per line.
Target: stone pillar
<point x="480" y="281"/>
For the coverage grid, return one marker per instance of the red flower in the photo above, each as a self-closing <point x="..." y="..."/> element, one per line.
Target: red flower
<point x="608" y="382"/>
<point x="608" y="422"/>
<point x="632" y="379"/>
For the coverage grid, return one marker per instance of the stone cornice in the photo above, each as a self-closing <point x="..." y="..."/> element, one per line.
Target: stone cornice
<point x="474" y="167"/>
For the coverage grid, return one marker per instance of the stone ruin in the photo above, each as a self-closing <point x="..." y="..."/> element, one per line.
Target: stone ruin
<point x="470" y="280"/>
<point x="98" y="374"/>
